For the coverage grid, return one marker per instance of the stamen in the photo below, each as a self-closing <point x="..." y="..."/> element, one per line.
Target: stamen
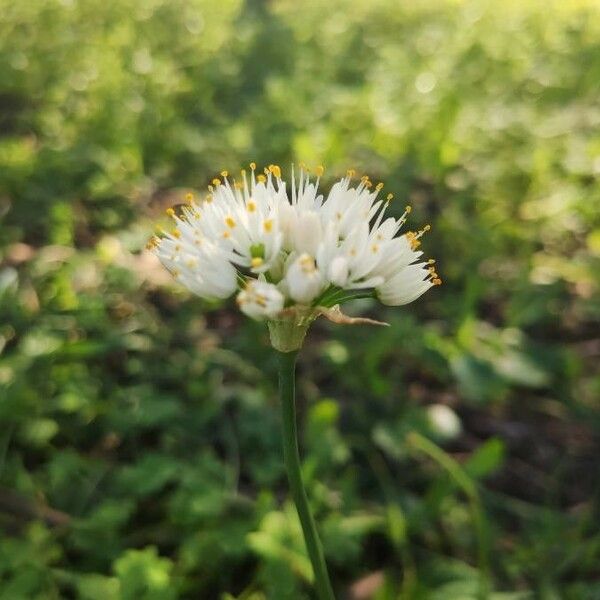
<point x="253" y="166"/>
<point x="275" y="169"/>
<point x="350" y="173"/>
<point x="251" y="206"/>
<point x="224" y="174"/>
<point x="261" y="178"/>
<point x="189" y="197"/>
<point x="412" y="239"/>
<point x="256" y="261"/>
<point x="268" y="225"/>
<point x="216" y="182"/>
<point x="379" y="186"/>
<point x="320" y="170"/>
<point x="229" y="221"/>
<point x="170" y="212"/>
<point x="176" y="233"/>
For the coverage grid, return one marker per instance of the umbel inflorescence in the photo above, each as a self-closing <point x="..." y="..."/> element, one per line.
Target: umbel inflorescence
<point x="289" y="251"/>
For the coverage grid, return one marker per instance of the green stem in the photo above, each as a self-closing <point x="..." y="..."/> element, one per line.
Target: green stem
<point x="287" y="371"/>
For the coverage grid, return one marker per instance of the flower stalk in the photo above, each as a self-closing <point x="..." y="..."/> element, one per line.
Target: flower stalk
<point x="287" y="374"/>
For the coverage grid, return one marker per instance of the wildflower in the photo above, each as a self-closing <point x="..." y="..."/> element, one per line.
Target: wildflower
<point x="292" y="255"/>
<point x="289" y="251"/>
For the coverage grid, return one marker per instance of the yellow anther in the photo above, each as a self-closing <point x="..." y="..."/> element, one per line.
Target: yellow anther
<point x="374" y="248"/>
<point x="261" y="178"/>
<point x="320" y="170"/>
<point x="427" y="228"/>
<point x="170" y="212"/>
<point x="307" y="264"/>
<point x="230" y="222"/>
<point x="189" y="197"/>
<point x="256" y="261"/>
<point x="390" y="197"/>
<point x="224" y="173"/>
<point x="364" y="178"/>
<point x="216" y="182"/>
<point x="253" y="165"/>
<point x="379" y="186"/>
<point x="408" y="209"/>
<point x="368" y="184"/>
<point x="176" y="233"/>
<point x="226" y="234"/>
<point x="437" y="281"/>
<point x="431" y="261"/>
<point x="209" y="198"/>
<point x="268" y="225"/>
<point x="251" y="206"/>
<point x="350" y="173"/>
<point x="275" y="170"/>
<point x="238" y="186"/>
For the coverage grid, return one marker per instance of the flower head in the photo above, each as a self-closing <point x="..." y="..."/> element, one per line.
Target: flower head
<point x="283" y="247"/>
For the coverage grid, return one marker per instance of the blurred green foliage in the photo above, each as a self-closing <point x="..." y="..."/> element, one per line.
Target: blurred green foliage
<point x="452" y="455"/>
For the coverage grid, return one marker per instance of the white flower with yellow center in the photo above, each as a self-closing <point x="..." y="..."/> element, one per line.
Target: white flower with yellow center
<point x="292" y="254"/>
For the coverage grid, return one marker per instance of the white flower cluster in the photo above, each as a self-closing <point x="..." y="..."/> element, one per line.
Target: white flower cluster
<point x="280" y="247"/>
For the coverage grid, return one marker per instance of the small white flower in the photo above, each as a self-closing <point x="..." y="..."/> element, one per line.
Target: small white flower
<point x="260" y="300"/>
<point x="303" y="280"/>
<point x="405" y="286"/>
<point x="291" y="246"/>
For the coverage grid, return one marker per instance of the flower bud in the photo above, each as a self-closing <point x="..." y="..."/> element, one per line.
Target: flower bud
<point x="304" y="281"/>
<point x="260" y="300"/>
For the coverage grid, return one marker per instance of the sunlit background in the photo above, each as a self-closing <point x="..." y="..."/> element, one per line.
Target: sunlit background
<point x="452" y="456"/>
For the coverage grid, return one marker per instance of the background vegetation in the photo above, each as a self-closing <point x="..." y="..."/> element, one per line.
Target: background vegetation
<point x="451" y="456"/>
